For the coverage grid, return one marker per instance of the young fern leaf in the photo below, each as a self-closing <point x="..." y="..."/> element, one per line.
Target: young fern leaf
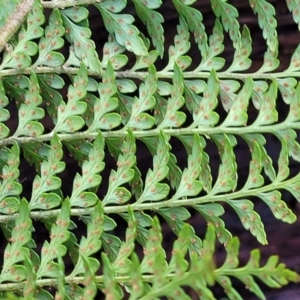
<point x="205" y="173"/>
<point x="250" y="218"/>
<point x="111" y="245"/>
<point x="29" y="112"/>
<point x="211" y="60"/>
<point x="181" y="47"/>
<point x="46" y="186"/>
<point x="265" y="12"/>
<point x="228" y="89"/>
<point x="178" y="264"/>
<point x="79" y="150"/>
<point x="161" y="104"/>
<point x="81" y="196"/>
<point x="111" y="288"/>
<point x="136" y="285"/>
<point x="267" y="112"/>
<point x="122" y="264"/>
<point x="168" y="279"/>
<point x="258" y="141"/>
<point x="255" y="179"/>
<point x="49" y="84"/>
<point x="17" y="250"/>
<point x="203" y="112"/>
<point x="241" y="60"/>
<point x="124" y="174"/>
<point x="145" y="61"/>
<point x="293" y="146"/>
<point x="154" y="190"/>
<point x="189" y="185"/>
<point x="35" y="154"/>
<point x="143" y="221"/>
<point x="192" y="89"/>
<point x="154" y="257"/>
<point x="175" y="173"/>
<point x="139" y="119"/>
<point x="294" y="62"/>
<point x="211" y="213"/>
<point x="60" y="290"/>
<point x="152" y="19"/>
<point x="90" y="287"/>
<point x="52" y="250"/>
<point x="272" y="274"/>
<point x="173" y="117"/>
<point x="16" y="87"/>
<point x="52" y="41"/>
<point x="10" y="188"/>
<point x="79" y="37"/>
<point x="283" y="162"/>
<point x="126" y="86"/>
<point x="271" y="62"/>
<point x="112" y="52"/>
<point x="154" y="253"/>
<point x="68" y="114"/>
<point x="101" y="115"/>
<point x="175" y="216"/>
<point x="278" y="206"/>
<point x="194" y="20"/>
<point x="89" y="244"/>
<point x="31" y="289"/>
<point x="120" y="25"/>
<point x="228" y="15"/>
<point x="287" y="89"/>
<point x="237" y="115"/>
<point x="227" y="177"/>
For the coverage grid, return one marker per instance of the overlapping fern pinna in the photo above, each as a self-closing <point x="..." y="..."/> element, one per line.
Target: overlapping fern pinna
<point x="100" y="104"/>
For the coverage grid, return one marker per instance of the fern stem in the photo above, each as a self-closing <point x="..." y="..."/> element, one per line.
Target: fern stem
<point x="79" y="212"/>
<point x="98" y="279"/>
<point x="205" y="131"/>
<point x="141" y="75"/>
<point x="67" y="3"/>
<point x="13" y="22"/>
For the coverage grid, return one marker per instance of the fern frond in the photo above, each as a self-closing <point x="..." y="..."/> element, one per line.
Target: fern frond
<point x="72" y="95"/>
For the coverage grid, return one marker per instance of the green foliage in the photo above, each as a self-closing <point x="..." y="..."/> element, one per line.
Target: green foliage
<point x="75" y="98"/>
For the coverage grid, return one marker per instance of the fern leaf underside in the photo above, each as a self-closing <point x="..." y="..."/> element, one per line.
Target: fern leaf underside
<point x="73" y="97"/>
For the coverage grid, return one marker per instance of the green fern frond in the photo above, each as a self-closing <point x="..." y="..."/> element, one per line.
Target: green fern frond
<point x="103" y="104"/>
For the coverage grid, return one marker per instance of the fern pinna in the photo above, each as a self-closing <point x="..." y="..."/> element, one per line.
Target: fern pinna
<point x="99" y="103"/>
